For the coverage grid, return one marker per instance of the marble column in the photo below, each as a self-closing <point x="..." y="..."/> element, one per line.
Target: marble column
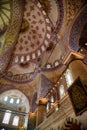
<point x="41" y="111"/>
<point x="32" y="119"/>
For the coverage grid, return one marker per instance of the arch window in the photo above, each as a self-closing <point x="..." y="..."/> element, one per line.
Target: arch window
<point x="68" y="77"/>
<point x="5" y="99"/>
<point x="18" y="100"/>
<point x="48" y="106"/>
<point x="62" y="91"/>
<point x="7" y="116"/>
<point x="57" y="107"/>
<point x="48" y="66"/>
<point x="56" y="63"/>
<point x="52" y="100"/>
<point x="11" y="100"/>
<point x="15" y="121"/>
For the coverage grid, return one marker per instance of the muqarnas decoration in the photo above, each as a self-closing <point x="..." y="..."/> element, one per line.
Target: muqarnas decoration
<point x="78" y="96"/>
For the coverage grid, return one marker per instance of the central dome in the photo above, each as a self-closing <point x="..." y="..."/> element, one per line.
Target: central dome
<point x="35" y="33"/>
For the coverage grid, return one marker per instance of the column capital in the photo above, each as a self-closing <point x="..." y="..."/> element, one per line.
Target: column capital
<point x="32" y="114"/>
<point x="42" y="101"/>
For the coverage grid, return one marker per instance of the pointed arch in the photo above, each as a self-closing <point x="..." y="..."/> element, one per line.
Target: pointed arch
<point x="19" y="95"/>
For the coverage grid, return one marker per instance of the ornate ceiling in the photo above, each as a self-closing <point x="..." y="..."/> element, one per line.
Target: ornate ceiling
<point x="4" y="15"/>
<point x="34" y="38"/>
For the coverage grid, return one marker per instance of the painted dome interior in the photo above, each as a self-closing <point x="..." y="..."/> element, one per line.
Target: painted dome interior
<point x="36" y="37"/>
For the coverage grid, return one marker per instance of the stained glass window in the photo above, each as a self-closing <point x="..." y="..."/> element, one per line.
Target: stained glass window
<point x="15" y="121"/>
<point x="7" y="117"/>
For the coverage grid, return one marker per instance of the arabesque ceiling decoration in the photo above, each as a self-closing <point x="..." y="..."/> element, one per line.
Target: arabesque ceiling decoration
<point x="35" y="37"/>
<point x="38" y="31"/>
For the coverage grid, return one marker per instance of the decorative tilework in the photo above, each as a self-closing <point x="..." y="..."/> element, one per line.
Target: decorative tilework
<point x="46" y="85"/>
<point x="77" y="28"/>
